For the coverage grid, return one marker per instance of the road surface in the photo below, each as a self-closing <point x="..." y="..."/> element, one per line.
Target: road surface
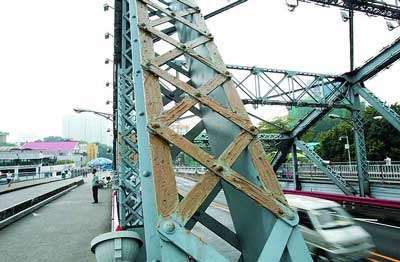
<point x="386" y="237"/>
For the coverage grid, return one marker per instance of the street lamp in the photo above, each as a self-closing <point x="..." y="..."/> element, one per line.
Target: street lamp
<point x="335" y="116"/>
<point x="108" y="84"/>
<point x="107" y="35"/>
<point x="345" y="15"/>
<point x="106" y="7"/>
<point x="107" y="61"/>
<point x="292" y="4"/>
<point x="391" y="25"/>
<point x="347" y="146"/>
<point x="377" y="117"/>
<point x="107" y="116"/>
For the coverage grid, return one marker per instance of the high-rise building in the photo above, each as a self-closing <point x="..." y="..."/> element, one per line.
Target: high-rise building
<point x="3" y="137"/>
<point x="92" y="151"/>
<point x="86" y="127"/>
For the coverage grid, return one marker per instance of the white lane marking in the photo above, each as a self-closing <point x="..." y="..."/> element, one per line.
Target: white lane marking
<point x="376" y="223"/>
<point x="366" y="219"/>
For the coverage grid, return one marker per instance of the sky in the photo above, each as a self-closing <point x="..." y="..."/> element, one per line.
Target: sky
<point x="52" y="53"/>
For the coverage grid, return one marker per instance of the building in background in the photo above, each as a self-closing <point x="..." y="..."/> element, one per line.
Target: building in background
<point x="86" y="127"/>
<point x="3" y="137"/>
<point x="92" y="151"/>
<point x="64" y="151"/>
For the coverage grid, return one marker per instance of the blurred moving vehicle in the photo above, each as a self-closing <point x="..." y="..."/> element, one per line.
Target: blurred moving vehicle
<point x="329" y="231"/>
<point x="3" y="179"/>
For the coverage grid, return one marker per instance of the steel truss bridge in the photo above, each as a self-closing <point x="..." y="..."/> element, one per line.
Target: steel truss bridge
<point x="154" y="88"/>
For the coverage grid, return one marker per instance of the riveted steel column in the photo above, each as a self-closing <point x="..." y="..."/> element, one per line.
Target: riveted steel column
<point x="129" y="200"/>
<point x="360" y="148"/>
<point x="296" y="180"/>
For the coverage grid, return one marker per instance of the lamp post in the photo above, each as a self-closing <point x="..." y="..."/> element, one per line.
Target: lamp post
<point x="348" y="120"/>
<point x="347" y="146"/>
<point x="107" y="116"/>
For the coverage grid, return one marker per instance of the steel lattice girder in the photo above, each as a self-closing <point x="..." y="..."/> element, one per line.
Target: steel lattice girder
<point x="130" y="209"/>
<point x="389" y="114"/>
<point x="365" y="72"/>
<point x="265" y="86"/>
<point x="385" y="9"/>
<point x="268" y="230"/>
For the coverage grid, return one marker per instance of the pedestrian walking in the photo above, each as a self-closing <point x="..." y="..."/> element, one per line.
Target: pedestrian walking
<point x="95" y="186"/>
<point x="9" y="179"/>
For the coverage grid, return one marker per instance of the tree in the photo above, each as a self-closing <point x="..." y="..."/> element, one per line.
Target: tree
<point x="54" y="139"/>
<point x="331" y="147"/>
<point x="382" y="139"/>
<point x="104" y="151"/>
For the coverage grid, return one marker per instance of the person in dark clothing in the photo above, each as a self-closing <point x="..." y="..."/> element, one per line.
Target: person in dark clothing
<point x="95" y="186"/>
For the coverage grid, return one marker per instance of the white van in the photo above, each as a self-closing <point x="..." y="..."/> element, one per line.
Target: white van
<point x="329" y="231"/>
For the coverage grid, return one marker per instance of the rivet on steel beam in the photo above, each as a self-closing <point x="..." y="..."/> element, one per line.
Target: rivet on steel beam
<point x="135" y="40"/>
<point x="220" y="168"/>
<point x="146" y="173"/>
<point x="143" y="25"/>
<point x="138" y="71"/>
<point x="291" y="216"/>
<point x="183" y="47"/>
<point x="280" y="212"/>
<point x="173" y="14"/>
<point x="253" y="128"/>
<point x="155" y="125"/>
<point x="141" y="114"/>
<point x="227" y="73"/>
<point x="169" y="227"/>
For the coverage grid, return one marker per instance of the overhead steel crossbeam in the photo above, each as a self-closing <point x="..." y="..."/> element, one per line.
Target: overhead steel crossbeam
<point x="389" y="114"/>
<point x="265" y="227"/>
<point x="348" y="89"/>
<point x="130" y="208"/>
<point x="265" y="86"/>
<point x="382" y="61"/>
<point x="387" y="8"/>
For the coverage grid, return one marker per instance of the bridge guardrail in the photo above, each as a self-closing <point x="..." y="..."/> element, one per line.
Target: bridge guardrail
<point x="378" y="173"/>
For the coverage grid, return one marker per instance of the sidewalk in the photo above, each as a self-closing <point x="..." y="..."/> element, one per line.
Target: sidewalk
<point x="60" y="231"/>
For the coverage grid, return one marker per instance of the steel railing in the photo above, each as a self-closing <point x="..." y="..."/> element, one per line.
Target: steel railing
<point x="380" y="173"/>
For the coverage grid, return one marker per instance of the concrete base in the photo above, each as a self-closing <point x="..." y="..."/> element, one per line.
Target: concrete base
<point x="118" y="246"/>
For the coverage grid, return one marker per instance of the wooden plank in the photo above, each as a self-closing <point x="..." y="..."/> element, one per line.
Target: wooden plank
<point x="176" y="17"/>
<point x="232" y="152"/>
<point x="261" y="197"/>
<point x="166" y="19"/>
<point x="166" y="193"/>
<point x="186" y="104"/>
<point x="174" y="53"/>
<point x="205" y="100"/>
<point x="195" y="198"/>
<point x="265" y="172"/>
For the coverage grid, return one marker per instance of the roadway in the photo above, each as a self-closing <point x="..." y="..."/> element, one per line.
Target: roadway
<point x="60" y="231"/>
<point x="15" y="197"/>
<point x="386" y="237"/>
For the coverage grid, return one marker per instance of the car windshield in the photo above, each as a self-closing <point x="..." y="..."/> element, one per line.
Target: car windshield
<point x="332" y="217"/>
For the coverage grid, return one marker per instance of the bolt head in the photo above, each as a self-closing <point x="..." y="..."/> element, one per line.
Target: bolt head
<point x="155" y="125"/>
<point x="169" y="227"/>
<point x="146" y="173"/>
